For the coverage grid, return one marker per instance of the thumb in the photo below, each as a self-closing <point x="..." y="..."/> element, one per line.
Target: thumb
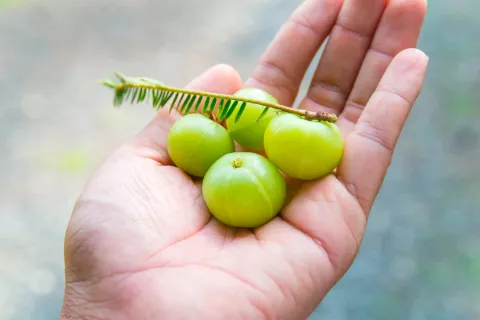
<point x="151" y="142"/>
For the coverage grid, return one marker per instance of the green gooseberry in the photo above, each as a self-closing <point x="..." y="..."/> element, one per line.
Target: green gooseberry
<point x="195" y="142"/>
<point x="244" y="189"/>
<point x="303" y="149"/>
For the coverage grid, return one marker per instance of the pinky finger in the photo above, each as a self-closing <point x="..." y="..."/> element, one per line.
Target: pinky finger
<point x="369" y="148"/>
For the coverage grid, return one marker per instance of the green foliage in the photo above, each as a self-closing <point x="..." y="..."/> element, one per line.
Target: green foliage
<point x="137" y="90"/>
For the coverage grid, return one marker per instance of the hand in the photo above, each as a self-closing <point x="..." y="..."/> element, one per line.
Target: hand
<point x="142" y="245"/>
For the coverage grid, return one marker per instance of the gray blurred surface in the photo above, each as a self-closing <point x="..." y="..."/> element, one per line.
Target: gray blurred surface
<point x="421" y="254"/>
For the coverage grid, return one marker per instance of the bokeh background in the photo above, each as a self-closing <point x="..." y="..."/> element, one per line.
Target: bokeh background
<point x="421" y="254"/>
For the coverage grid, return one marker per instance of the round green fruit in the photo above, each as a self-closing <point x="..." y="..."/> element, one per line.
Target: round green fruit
<point x="247" y="131"/>
<point x="244" y="189"/>
<point x="196" y="142"/>
<point x="303" y="149"/>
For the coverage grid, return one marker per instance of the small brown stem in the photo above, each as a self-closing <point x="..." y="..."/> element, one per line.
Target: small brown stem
<point x="237" y="163"/>
<point x="210" y="115"/>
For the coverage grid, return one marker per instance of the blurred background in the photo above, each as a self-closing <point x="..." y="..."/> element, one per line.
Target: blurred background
<point x="421" y="254"/>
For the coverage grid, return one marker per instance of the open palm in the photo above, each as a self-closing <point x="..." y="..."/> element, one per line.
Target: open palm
<point x="141" y="243"/>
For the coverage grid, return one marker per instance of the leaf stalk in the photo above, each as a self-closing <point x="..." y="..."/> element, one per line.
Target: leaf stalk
<point x="137" y="89"/>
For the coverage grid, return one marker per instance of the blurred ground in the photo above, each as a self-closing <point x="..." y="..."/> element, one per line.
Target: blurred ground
<point x="421" y="255"/>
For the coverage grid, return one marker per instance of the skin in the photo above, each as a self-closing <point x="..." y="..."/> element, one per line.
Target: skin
<point x="141" y="243"/>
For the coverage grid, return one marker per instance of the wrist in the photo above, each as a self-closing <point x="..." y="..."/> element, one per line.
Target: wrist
<point x="72" y="306"/>
<point x="80" y="303"/>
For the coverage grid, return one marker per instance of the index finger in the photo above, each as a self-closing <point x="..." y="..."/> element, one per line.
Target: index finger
<point x="282" y="67"/>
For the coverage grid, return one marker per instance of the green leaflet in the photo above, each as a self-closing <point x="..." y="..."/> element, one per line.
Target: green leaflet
<point x="264" y="112"/>
<point x="185" y="103"/>
<point x="190" y="104"/>
<point x="205" y="106"/>
<point x="240" y="112"/>
<point x="225" y="110"/>
<point x="232" y="109"/>
<point x="213" y="104"/>
<point x="199" y="100"/>
<point x="174" y="100"/>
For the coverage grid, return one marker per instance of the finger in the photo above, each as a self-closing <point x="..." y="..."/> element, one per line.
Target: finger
<point x="369" y="148"/>
<point x="283" y="66"/>
<point x="399" y="29"/>
<point x="343" y="55"/>
<point x="152" y="140"/>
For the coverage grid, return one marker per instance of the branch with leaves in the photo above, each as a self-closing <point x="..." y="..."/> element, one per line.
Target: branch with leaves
<point x="137" y="90"/>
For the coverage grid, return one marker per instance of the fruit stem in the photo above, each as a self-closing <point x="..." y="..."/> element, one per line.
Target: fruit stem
<point x="210" y="115"/>
<point x="237" y="163"/>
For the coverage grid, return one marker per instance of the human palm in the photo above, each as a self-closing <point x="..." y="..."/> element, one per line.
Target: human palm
<point x="141" y="243"/>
